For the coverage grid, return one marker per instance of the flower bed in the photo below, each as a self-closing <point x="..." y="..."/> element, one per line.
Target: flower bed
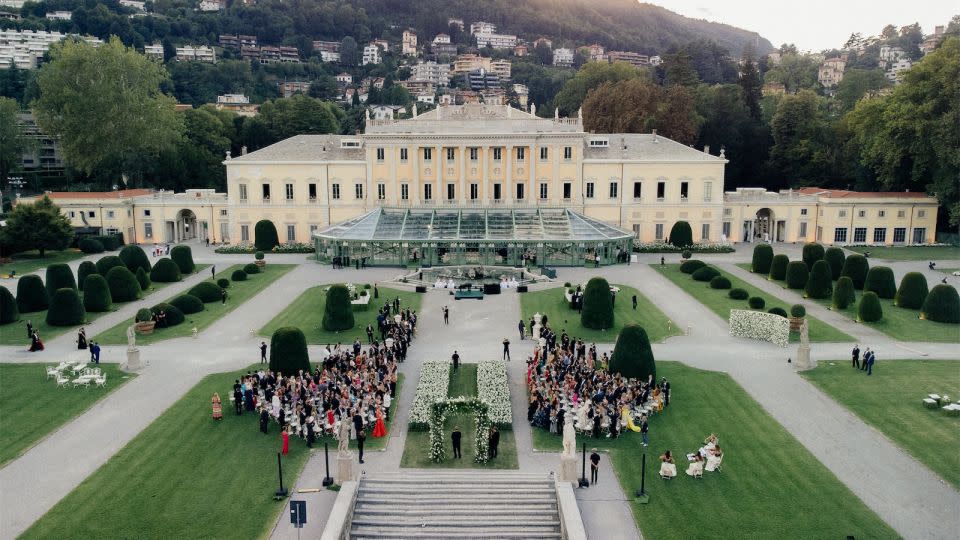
<point x="493" y="388"/>
<point x="292" y="247"/>
<point x="663" y="247"/>
<point x="759" y="325"/>
<point x="434" y="379"/>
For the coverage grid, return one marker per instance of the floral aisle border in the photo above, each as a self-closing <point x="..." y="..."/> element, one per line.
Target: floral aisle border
<point x="438" y="413"/>
<point x="434" y="380"/>
<point x="759" y="325"/>
<point x="493" y="388"/>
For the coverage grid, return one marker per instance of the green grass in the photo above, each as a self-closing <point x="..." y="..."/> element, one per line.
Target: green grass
<point x="28" y="261"/>
<point x="889" y="400"/>
<point x="184" y="476"/>
<point x="909" y="253"/>
<point x="768" y="477"/>
<point x="238" y="293"/>
<point x="720" y="303"/>
<point x="306" y="313"/>
<point x="31" y="406"/>
<point x="416" y="450"/>
<point x="552" y="302"/>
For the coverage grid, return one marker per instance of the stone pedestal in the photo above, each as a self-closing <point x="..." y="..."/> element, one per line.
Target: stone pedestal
<point x="803" y="358"/>
<point x="133" y="360"/>
<point x="344" y="467"/>
<point x="568" y="468"/>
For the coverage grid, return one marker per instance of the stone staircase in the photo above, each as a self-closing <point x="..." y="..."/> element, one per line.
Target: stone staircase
<point x="447" y="504"/>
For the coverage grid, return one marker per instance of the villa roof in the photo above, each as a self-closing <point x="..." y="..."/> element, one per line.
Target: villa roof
<point x="845" y="194"/>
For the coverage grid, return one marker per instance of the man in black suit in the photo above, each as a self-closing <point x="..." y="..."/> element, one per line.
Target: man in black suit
<point x="594" y="465"/>
<point x="238" y="397"/>
<point x="494" y="442"/>
<point x="455" y="437"/>
<point x="361" y="438"/>
<point x="456" y="360"/>
<point x="856" y="356"/>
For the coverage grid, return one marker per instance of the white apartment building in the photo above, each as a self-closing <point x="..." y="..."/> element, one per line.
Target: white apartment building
<point x="211" y="5"/>
<point x="890" y="53"/>
<point x="431" y="72"/>
<point x="330" y="56"/>
<point x="371" y="54"/>
<point x="154" y="51"/>
<point x="59" y="15"/>
<point x="563" y="57"/>
<point x="24" y="49"/>
<point x="134" y="4"/>
<point x="429" y="99"/>
<point x="200" y="53"/>
<point x="481" y="27"/>
<point x="497" y="41"/>
<point x="830" y="72"/>
<point x="455" y="22"/>
<point x="409" y="43"/>
<point x="441" y="39"/>
<point x="16" y="4"/>
<point x="344" y="78"/>
<point x="655" y="60"/>
<point x="895" y="70"/>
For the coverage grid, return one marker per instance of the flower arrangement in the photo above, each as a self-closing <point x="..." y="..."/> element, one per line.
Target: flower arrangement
<point x="493" y="388"/>
<point x="438" y="412"/>
<point x="434" y="379"/>
<point x="663" y="247"/>
<point x="290" y="247"/>
<point x="758" y="325"/>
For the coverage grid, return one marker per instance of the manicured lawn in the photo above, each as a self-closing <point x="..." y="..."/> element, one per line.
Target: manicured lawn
<point x="306" y="313"/>
<point x="238" y="293"/>
<point x="720" y="303"/>
<point x="184" y="476"/>
<point x="416" y="451"/>
<point x="28" y="261"/>
<point x="31" y="406"/>
<point x="553" y="303"/>
<point x="889" y="400"/>
<point x="910" y="253"/>
<point x="768" y="476"/>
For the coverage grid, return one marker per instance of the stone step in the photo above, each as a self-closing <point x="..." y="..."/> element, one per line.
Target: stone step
<point x="441" y="478"/>
<point x="388" y="531"/>
<point x="430" y="498"/>
<point x="459" y="521"/>
<point x="465" y="489"/>
<point x="455" y="509"/>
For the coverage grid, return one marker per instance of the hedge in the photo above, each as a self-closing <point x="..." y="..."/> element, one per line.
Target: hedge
<point x="756" y="302"/>
<point x="106" y="263"/>
<point x="143" y="279"/>
<point x="165" y="271"/>
<point x="681" y="235"/>
<point x="9" y="312"/>
<point x="835" y="258"/>
<point x="184" y="259"/>
<point x="869" y="309"/>
<point x="85" y="269"/>
<point x="738" y="294"/>
<point x="597" y="310"/>
<point x="691" y="266"/>
<point x="778" y="311"/>
<point x="90" y="245"/>
<point x="942" y="305"/>
<point x="31" y="294"/>
<point x="66" y="309"/>
<point x="251" y="268"/>
<point x="238" y="275"/>
<point x="110" y="241"/>
<point x="881" y="281"/>
<point x="762" y="259"/>
<point x="912" y="292"/>
<point x="796" y="275"/>
<point x="812" y="252"/>
<point x="288" y="350"/>
<point x="856" y="267"/>
<point x="265" y="235"/>
<point x="843" y="293"/>
<point x="187" y="303"/>
<point x="720" y="282"/>
<point x="174" y="315"/>
<point x="96" y="294"/>
<point x="632" y="356"/>
<point x="59" y="276"/>
<point x="798" y="311"/>
<point x="337" y="311"/>
<point x="123" y="284"/>
<point x="206" y="291"/>
<point x="134" y="258"/>
<point x="223" y="283"/>
<point x="820" y="282"/>
<point x="705" y="274"/>
<point x="778" y="268"/>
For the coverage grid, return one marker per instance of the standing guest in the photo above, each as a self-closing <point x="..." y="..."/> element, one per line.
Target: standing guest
<point x="29" y="329"/>
<point x="634" y="302"/>
<point x="596" y="425"/>
<point x="264" y="420"/>
<point x="237" y="397"/>
<point x="82" y="339"/>
<point x="217" y="407"/>
<point x="866" y="354"/>
<point x="506" y="349"/>
<point x="855" y="355"/>
<point x="376" y="291"/>
<point x="520" y="327"/>
<point x="357" y="423"/>
<point x="263" y="352"/>
<point x="644" y="427"/>
<point x="223" y="296"/>
<point x="446" y="315"/>
<point x="213" y="271"/>
<point x="594" y="465"/>
<point x="494" y="443"/>
<point x="662" y="261"/>
<point x="456" y="360"/>
<point x="95" y="349"/>
<point x="870" y="360"/>
<point x="310" y="434"/>
<point x="455" y="437"/>
<point x="361" y="438"/>
<point x="369" y="333"/>
<point x="285" y="438"/>
<point x="665" y="388"/>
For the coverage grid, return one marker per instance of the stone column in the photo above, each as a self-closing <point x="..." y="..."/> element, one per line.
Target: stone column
<point x="415" y="196"/>
<point x="461" y="194"/>
<point x="508" y="181"/>
<point x="441" y="161"/>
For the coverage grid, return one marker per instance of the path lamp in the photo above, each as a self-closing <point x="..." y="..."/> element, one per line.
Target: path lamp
<point x="282" y="492"/>
<point x="327" y="481"/>
<point x="642" y="496"/>
<point x="583" y="482"/>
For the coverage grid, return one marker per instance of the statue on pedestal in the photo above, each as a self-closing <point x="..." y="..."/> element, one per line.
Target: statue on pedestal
<point x="569" y="436"/>
<point x="343" y="437"/>
<point x="131" y="338"/>
<point x="803" y="352"/>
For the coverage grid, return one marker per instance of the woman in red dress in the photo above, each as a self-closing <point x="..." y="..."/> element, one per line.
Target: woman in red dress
<point x="379" y="429"/>
<point x="286" y="442"/>
<point x="217" y="407"/>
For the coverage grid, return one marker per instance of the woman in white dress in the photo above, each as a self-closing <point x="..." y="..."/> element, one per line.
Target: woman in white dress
<point x="696" y="466"/>
<point x="668" y="469"/>
<point x="713" y="458"/>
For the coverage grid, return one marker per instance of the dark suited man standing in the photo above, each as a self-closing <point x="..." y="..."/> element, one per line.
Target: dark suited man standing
<point x="494" y="443"/>
<point x="456" y="360"/>
<point x="455" y="437"/>
<point x="855" y="356"/>
<point x="361" y="438"/>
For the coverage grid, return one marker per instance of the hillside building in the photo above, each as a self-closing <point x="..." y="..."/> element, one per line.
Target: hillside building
<point x="562" y="57"/>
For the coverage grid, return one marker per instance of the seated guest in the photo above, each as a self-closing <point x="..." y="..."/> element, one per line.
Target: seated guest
<point x="714" y="457"/>
<point x="668" y="469"/>
<point x="711" y="439"/>
<point x="696" y="466"/>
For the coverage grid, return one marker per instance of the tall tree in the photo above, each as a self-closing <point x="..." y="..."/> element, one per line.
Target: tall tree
<point x="13" y="142"/>
<point x="678" y="69"/>
<point x="750" y="83"/>
<point x="40" y="226"/>
<point x="857" y="83"/>
<point x="349" y="53"/>
<point x="300" y="115"/>
<point x="591" y="76"/>
<point x="637" y="106"/>
<point x="801" y="139"/>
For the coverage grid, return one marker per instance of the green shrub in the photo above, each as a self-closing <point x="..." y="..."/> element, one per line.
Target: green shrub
<point x="187" y="303"/>
<point x="31" y="294"/>
<point x="251" y="268"/>
<point x="681" y="235"/>
<point x="778" y="311"/>
<point x="106" y="263"/>
<point x="9" y="312"/>
<point x="632" y="356"/>
<point x="762" y="259"/>
<point x="738" y="294"/>
<point x="206" y="291"/>
<point x="123" y="284"/>
<point x="819" y="284"/>
<point x="337" y="312"/>
<point x="110" y="241"/>
<point x="756" y="302"/>
<point x="881" y="281"/>
<point x="174" y="315"/>
<point x="843" y="293"/>
<point x="912" y="292"/>
<point x="798" y="311"/>
<point x="705" y="274"/>
<point x="720" y="282"/>
<point x="778" y="267"/>
<point x="59" y="276"/>
<point x="941" y="305"/>
<point x="869" y="309"/>
<point x="265" y="235"/>
<point x="366" y="286"/>
<point x="66" y="309"/>
<point x="223" y="283"/>
<point x="686" y="254"/>
<point x="567" y="284"/>
<point x="165" y="271"/>
<point x="812" y="252"/>
<point x="288" y="351"/>
<point x="597" y="310"/>
<point x="183" y="256"/>
<point x="835" y="258"/>
<point x="238" y="275"/>
<point x="90" y="246"/>
<point x="796" y="275"/>
<point x="143" y="315"/>
<point x="691" y="266"/>
<point x="85" y="269"/>
<point x="856" y="267"/>
<point x="134" y="258"/>
<point x="258" y="255"/>
<point x="143" y="279"/>
<point x="96" y="294"/>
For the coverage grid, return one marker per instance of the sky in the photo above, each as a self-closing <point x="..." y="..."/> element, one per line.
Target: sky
<point x="815" y="25"/>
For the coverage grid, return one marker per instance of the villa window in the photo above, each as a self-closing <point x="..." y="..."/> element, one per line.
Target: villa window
<point x="589" y="190"/>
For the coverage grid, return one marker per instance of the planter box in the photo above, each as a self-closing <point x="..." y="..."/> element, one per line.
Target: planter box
<point x="261" y="263"/>
<point x="795" y="323"/>
<point x="146" y="327"/>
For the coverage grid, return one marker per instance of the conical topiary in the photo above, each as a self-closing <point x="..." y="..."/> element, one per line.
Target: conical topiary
<point x="632" y="355"/>
<point x="183" y="256"/>
<point x="880" y="280"/>
<point x="265" y="235"/>
<point x="288" y="351"/>
<point x="812" y="252"/>
<point x="869" y="309"/>
<point x="85" y="269"/>
<point x="66" y="309"/>
<point x="844" y="293"/>
<point x="31" y="294"/>
<point x="96" y="294"/>
<point x="59" y="276"/>
<point x="797" y="275"/>
<point x="9" y="312"/>
<point x="681" y="235"/>
<point x="835" y="258"/>
<point x="912" y="292"/>
<point x="143" y="279"/>
<point x="778" y="268"/>
<point x="819" y="283"/>
<point x="942" y="305"/>
<point x="134" y="257"/>
<point x="123" y="284"/>
<point x="337" y="311"/>
<point x="762" y="258"/>
<point x="597" y="310"/>
<point x="856" y="267"/>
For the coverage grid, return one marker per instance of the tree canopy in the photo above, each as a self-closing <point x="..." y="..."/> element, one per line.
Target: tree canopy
<point x="40" y="226"/>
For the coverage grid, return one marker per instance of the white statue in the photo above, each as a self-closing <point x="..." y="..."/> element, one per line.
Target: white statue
<point x="131" y="337"/>
<point x="343" y="436"/>
<point x="805" y="333"/>
<point x="536" y="331"/>
<point x="569" y="436"/>
<point x="537" y="317"/>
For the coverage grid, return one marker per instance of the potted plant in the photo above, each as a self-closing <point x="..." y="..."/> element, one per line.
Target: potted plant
<point x="144" y="321"/>
<point x="797" y="313"/>
<point x="259" y="259"/>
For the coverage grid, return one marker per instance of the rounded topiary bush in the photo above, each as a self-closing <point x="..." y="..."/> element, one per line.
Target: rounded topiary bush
<point x="798" y="311"/>
<point x="869" y="309"/>
<point x="681" y="235"/>
<point x="174" y="315"/>
<point x="106" y="263"/>
<point x="881" y="281"/>
<point x="720" y="282"/>
<point x="738" y="294"/>
<point x="265" y="235"/>
<point x="206" y="291"/>
<point x="183" y="256"/>
<point x="778" y="311"/>
<point x="90" y="245"/>
<point x="134" y="258"/>
<point x="66" y="309"/>
<point x="143" y="315"/>
<point x="835" y="258"/>
<point x="856" y="267"/>
<point x="337" y="311"/>
<point x="691" y="266"/>
<point x="762" y="259"/>
<point x="187" y="303"/>
<point x="778" y="267"/>
<point x="223" y="283"/>
<point x="165" y="271"/>
<point x="844" y="293"/>
<point x="9" y="312"/>
<point x="59" y="276"/>
<point x="819" y="283"/>
<point x="941" y="305"/>
<point x="912" y="292"/>
<point x="597" y="312"/>
<point x="812" y="252"/>
<point x="31" y="294"/>
<point x="251" y="269"/>
<point x="258" y="255"/>
<point x="96" y="294"/>
<point x="124" y="286"/>
<point x="796" y="275"/>
<point x="632" y="356"/>
<point x="143" y="279"/>
<point x="705" y="274"/>
<point x="238" y="275"/>
<point x="755" y="302"/>
<point x="288" y="351"/>
<point x="686" y="254"/>
<point x="85" y="269"/>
